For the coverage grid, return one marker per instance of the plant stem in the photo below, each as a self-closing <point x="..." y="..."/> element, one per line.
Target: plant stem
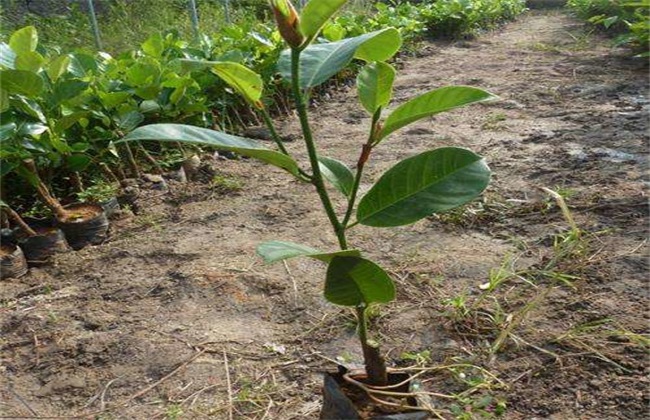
<point x="317" y="177"/>
<point x="363" y="158"/>
<point x="375" y="364"/>
<point x="130" y="160"/>
<point x="14" y="217"/>
<point x="304" y="176"/>
<point x="44" y="193"/>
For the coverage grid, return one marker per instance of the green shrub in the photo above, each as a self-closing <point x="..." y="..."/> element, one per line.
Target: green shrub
<point x="627" y="20"/>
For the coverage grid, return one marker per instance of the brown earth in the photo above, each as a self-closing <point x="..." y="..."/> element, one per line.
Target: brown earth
<point x="145" y="325"/>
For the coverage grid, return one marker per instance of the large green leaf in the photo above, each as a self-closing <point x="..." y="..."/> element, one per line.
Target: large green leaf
<point x="339" y="175"/>
<point x="58" y="67"/>
<point x="216" y="139"/>
<point x="24" y="40"/>
<point x="315" y="13"/>
<point x="274" y="251"/>
<point x="7" y="56"/>
<point x="319" y="62"/>
<point x="66" y="90"/>
<point x="245" y="81"/>
<point x="30" y="61"/>
<point x="434" y="102"/>
<point x="431" y="182"/>
<point x="375" y="85"/>
<point x="354" y="281"/>
<point x="154" y="45"/>
<point x="21" y="82"/>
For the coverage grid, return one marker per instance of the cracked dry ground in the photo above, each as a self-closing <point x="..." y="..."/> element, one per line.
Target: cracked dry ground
<point x="105" y="327"/>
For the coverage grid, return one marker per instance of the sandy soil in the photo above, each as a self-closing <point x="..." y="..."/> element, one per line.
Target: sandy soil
<point x="147" y="325"/>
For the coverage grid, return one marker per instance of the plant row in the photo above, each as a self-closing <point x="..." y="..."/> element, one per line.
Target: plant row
<point x="62" y="111"/>
<point x="627" y="20"/>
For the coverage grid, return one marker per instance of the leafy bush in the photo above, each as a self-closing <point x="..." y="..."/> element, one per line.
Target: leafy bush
<point x="452" y="18"/>
<point x="628" y="20"/>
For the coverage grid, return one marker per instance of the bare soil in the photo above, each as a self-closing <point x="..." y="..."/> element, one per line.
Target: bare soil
<point x="176" y="317"/>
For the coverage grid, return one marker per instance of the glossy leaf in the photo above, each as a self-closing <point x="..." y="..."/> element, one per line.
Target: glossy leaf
<point x="7" y="56"/>
<point x="315" y="13"/>
<point x="7" y="131"/>
<point x="216" y="139"/>
<point x="29" y="107"/>
<point x="354" y="281"/>
<point x="24" y="40"/>
<point x="274" y="251"/>
<point x="58" y="67"/>
<point x="319" y="62"/>
<point x="339" y="175"/>
<point x="375" y="85"/>
<point x="21" y="82"/>
<point x="129" y="121"/>
<point x="32" y="129"/>
<point x="431" y="103"/>
<point x="245" y="81"/>
<point x="431" y="182"/>
<point x="30" y="61"/>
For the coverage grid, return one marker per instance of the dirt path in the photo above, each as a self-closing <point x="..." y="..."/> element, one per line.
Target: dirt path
<point x="180" y="282"/>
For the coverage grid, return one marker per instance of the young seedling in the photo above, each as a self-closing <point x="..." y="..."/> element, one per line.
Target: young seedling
<point x="430" y="182"/>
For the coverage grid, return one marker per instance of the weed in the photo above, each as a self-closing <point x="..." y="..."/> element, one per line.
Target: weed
<point x="225" y="184"/>
<point x="494" y="121"/>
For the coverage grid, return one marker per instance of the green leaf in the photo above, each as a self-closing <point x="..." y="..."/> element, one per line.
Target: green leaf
<point x="334" y="32"/>
<point x="431" y="182"/>
<point x="380" y="47"/>
<point x="30" y="61"/>
<point x="81" y="64"/>
<point x="24" y="40"/>
<point x="274" y="251"/>
<point x="21" y="82"/>
<point x="375" y="85"/>
<point x="339" y="175"/>
<point x="68" y="121"/>
<point x="129" y="121"/>
<point x="7" y="56"/>
<point x="32" y="129"/>
<point x="154" y="46"/>
<point x="315" y="13"/>
<point x="355" y="281"/>
<point x="66" y="90"/>
<point x="7" y="131"/>
<point x="112" y="99"/>
<point x="319" y="62"/>
<point x="58" y="67"/>
<point x="245" y="81"/>
<point x="29" y="107"/>
<point x="6" y="167"/>
<point x="216" y="139"/>
<point x="431" y="103"/>
<point x="78" y="162"/>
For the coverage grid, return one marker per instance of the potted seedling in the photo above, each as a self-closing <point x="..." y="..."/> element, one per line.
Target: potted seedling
<point x="431" y="182"/>
<point x="39" y="243"/>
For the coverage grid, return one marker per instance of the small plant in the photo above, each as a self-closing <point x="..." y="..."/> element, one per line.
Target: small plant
<point x="431" y="182"/>
<point x="98" y="193"/>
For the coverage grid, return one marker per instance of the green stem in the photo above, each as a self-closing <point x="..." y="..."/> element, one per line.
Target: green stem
<point x="317" y="177"/>
<point x="274" y="133"/>
<point x="363" y="158"/>
<point x="278" y="141"/>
